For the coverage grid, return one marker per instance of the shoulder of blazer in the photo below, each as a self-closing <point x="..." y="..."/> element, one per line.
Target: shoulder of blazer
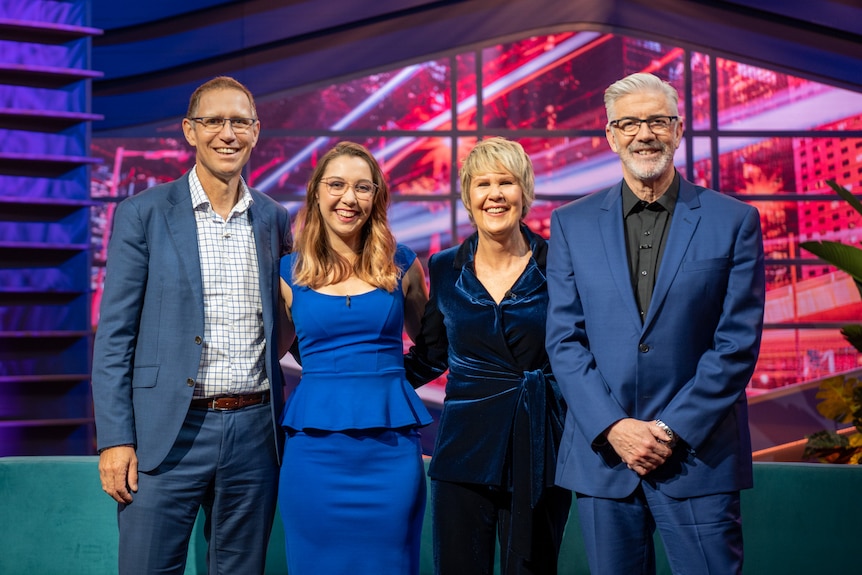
<point x="600" y="200"/>
<point x="444" y="260"/>
<point x="696" y="196"/>
<point x="265" y="201"/>
<point x="174" y="192"/>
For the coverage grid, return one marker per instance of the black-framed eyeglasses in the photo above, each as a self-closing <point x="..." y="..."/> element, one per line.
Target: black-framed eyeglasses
<point x="337" y="187"/>
<point x="657" y="124"/>
<point x="213" y="124"/>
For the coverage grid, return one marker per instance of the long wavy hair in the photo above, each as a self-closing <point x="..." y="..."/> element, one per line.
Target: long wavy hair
<point x="317" y="264"/>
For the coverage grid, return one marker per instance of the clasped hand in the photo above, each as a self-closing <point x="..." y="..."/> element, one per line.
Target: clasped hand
<point x="641" y="445"/>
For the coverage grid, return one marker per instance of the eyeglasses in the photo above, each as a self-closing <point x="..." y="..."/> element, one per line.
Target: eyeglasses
<point x="214" y="125"/>
<point x="656" y="124"/>
<point x="337" y="187"/>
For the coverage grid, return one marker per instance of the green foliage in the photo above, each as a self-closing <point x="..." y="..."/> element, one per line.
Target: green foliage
<point x="846" y="258"/>
<point x="840" y="397"/>
<point x="840" y="400"/>
<point x="853" y="334"/>
<point x="830" y="447"/>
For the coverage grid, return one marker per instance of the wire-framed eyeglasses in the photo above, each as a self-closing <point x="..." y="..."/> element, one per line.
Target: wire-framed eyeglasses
<point x="337" y="187"/>
<point x="630" y="126"/>
<point x="214" y="125"/>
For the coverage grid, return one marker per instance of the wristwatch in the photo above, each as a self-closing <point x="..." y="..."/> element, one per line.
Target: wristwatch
<point x="664" y="427"/>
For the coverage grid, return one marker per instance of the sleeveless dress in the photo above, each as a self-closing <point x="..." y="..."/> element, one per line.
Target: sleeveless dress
<point x="352" y="485"/>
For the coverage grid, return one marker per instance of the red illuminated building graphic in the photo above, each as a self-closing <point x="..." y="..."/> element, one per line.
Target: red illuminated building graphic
<point x="546" y="91"/>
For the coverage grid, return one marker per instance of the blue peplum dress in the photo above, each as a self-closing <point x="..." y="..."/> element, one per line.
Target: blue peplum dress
<point x="352" y="485"/>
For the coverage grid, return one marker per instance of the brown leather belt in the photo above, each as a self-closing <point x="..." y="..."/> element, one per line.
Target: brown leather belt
<point x="230" y="402"/>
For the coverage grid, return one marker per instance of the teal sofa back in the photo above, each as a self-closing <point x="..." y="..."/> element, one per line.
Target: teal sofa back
<point x="800" y="519"/>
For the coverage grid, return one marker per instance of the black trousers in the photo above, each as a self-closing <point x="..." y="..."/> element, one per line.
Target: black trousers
<point x="468" y="519"/>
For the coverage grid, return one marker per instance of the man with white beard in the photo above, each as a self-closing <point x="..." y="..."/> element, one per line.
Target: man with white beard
<point x="656" y="295"/>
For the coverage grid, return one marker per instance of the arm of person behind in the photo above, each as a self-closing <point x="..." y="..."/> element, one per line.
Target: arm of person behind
<point x="428" y="358"/>
<point x="415" y="298"/>
<point x="286" y="329"/>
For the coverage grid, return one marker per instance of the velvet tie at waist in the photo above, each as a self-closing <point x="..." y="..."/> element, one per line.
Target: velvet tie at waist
<point x="537" y="426"/>
<point x="534" y="430"/>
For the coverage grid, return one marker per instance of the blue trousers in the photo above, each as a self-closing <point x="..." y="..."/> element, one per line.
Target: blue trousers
<point x="701" y="535"/>
<point x="223" y="462"/>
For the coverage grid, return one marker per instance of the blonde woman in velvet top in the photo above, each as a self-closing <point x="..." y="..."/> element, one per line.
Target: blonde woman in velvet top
<point x="492" y="470"/>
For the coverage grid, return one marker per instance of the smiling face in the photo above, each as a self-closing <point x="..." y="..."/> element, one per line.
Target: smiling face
<point x="496" y="203"/>
<point x="223" y="154"/>
<point x="344" y="216"/>
<point x="645" y="156"/>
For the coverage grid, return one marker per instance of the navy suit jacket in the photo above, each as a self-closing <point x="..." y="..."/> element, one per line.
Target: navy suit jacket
<point x="687" y="363"/>
<point x="148" y="344"/>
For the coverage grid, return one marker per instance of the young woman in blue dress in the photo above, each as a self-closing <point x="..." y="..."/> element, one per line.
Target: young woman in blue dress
<point x="352" y="485"/>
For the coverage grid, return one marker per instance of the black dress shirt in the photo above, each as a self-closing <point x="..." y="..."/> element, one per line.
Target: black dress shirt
<point x="646" y="228"/>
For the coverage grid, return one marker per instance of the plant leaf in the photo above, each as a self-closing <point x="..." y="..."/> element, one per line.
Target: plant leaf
<point x="845" y="193"/>
<point x="825" y="439"/>
<point x="853" y="334"/>
<point x="844" y="257"/>
<point x="828" y="447"/>
<point x="855" y="440"/>
<point x="837" y="401"/>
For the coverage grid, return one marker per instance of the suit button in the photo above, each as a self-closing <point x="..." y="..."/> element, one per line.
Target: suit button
<point x="643" y="348"/>
<point x="190" y="382"/>
<point x="199" y="340"/>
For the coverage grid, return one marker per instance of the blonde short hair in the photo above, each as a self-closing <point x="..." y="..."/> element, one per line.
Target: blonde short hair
<point x="492" y="155"/>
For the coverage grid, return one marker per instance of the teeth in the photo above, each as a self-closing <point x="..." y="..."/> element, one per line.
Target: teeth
<point x="226" y="150"/>
<point x="345" y="213"/>
<point x="495" y="210"/>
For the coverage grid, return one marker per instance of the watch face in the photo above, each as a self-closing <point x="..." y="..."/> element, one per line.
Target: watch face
<point x="664" y="427"/>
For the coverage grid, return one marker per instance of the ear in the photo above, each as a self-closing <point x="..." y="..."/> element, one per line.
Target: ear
<point x="189" y="132"/>
<point x="612" y="142"/>
<point x="677" y="134"/>
<point x="255" y="133"/>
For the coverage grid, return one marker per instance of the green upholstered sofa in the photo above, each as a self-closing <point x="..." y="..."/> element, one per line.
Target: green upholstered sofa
<point x="799" y="519"/>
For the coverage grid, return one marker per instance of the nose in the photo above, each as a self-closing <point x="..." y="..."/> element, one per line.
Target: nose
<point x="229" y="126"/>
<point x="495" y="190"/>
<point x="644" y="127"/>
<point x="352" y="191"/>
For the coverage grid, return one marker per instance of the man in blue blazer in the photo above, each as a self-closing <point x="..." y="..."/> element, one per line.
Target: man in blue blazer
<point x="186" y="380"/>
<point x="656" y="295"/>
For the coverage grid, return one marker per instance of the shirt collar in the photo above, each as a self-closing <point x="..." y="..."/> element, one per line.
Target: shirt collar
<point x="537" y="245"/>
<point x="200" y="199"/>
<point x="667" y="199"/>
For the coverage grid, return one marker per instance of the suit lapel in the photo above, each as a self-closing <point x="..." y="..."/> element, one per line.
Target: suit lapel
<point x="263" y="241"/>
<point x="613" y="239"/>
<point x="180" y="218"/>
<point x="682" y="227"/>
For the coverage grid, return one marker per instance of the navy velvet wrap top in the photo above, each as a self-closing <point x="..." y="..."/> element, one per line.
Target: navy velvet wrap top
<point x="503" y="413"/>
